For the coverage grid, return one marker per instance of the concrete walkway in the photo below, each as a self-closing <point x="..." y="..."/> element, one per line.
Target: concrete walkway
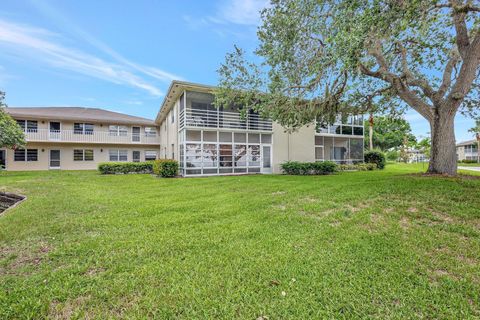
<point x="469" y="168"/>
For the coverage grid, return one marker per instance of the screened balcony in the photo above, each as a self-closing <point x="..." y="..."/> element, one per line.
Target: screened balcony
<point x="348" y="126"/>
<point x="197" y="111"/>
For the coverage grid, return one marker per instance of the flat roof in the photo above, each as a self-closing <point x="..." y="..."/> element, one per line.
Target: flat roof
<point x="174" y="91"/>
<point x="78" y="114"/>
<point x="466" y="143"/>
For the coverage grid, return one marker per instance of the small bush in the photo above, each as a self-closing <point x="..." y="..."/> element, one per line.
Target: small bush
<point x="468" y="161"/>
<point x="376" y="157"/>
<point x="165" y="168"/>
<point x="125" y="167"/>
<point x="358" y="167"/>
<point x="308" y="168"/>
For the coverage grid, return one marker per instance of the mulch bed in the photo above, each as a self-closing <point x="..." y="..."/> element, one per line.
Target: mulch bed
<point x="8" y="200"/>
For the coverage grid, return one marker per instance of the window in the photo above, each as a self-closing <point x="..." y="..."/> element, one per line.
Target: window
<point x="82" y="155"/>
<point x="115" y="130"/>
<point x="172" y="116"/>
<point x="77" y="155"/>
<point x="136" y="156"/>
<point x="82" y="128"/>
<point x="26" y="155"/>
<point x="28" y="125"/>
<point x="88" y="154"/>
<point x="173" y="151"/>
<point x="118" y="155"/>
<point x="150" y="155"/>
<point x="150" y="131"/>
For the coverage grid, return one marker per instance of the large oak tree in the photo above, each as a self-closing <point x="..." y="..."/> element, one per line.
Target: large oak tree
<point x="318" y="57"/>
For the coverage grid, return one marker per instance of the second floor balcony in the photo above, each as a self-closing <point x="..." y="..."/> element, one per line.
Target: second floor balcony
<point x="223" y="119"/>
<point x="101" y="137"/>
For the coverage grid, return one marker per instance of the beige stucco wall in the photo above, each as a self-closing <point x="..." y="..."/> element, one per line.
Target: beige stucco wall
<point x="296" y="146"/>
<point x="101" y="154"/>
<point x="169" y="134"/>
<point x="461" y="153"/>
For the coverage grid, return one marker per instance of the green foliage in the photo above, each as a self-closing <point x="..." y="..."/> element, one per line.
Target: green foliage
<point x="11" y="134"/>
<point x="392" y="155"/>
<point x="425" y="146"/>
<point x="309" y="168"/>
<point x="165" y="168"/>
<point x="468" y="161"/>
<point x="358" y="167"/>
<point x="376" y="157"/>
<point x="389" y="132"/>
<point x="125" y="167"/>
<point x="476" y="129"/>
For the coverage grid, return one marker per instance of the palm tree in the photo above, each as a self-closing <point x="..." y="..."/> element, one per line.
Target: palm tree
<point x="476" y="130"/>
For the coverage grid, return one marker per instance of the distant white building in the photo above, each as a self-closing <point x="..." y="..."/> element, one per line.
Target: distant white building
<point x="467" y="150"/>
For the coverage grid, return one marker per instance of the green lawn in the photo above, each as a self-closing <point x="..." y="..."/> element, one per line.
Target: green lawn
<point x="383" y="244"/>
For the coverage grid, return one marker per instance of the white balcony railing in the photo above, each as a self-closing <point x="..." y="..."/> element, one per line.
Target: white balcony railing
<point x="222" y="119"/>
<point x="43" y="135"/>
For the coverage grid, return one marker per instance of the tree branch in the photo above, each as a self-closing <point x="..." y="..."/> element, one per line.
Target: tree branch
<point x="447" y="74"/>
<point x="460" y="26"/>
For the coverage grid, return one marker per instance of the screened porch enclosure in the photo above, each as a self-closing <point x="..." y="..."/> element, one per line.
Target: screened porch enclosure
<point x="205" y="152"/>
<point x="197" y="110"/>
<point x="343" y="150"/>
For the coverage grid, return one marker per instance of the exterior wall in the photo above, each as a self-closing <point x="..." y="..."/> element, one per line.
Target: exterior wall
<point x="101" y="154"/>
<point x="296" y="146"/>
<point x="467" y="152"/>
<point x="461" y="153"/>
<point x="169" y="135"/>
<point x="100" y="133"/>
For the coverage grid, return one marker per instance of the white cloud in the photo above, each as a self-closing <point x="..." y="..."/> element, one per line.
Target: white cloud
<point x="228" y="15"/>
<point x="246" y="12"/>
<point x="42" y="45"/>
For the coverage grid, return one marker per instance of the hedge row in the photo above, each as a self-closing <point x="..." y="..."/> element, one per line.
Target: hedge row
<point x="468" y="161"/>
<point x="165" y="168"/>
<point x="125" y="167"/>
<point x="308" y="168"/>
<point x="358" y="167"/>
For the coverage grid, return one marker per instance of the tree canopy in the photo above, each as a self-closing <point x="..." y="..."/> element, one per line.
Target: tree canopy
<point x="11" y="135"/>
<point x="321" y="58"/>
<point x="389" y="133"/>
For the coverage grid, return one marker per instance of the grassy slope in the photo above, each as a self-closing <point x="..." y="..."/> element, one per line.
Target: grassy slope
<point x="366" y="244"/>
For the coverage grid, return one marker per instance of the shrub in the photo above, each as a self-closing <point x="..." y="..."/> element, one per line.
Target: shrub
<point x="325" y="167"/>
<point x="358" y="167"/>
<point x="125" y="167"/>
<point x="469" y="161"/>
<point x="376" y="157"/>
<point x="165" y="168"/>
<point x="308" y="168"/>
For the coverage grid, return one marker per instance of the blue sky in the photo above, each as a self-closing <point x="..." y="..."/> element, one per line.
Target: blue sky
<point x="122" y="55"/>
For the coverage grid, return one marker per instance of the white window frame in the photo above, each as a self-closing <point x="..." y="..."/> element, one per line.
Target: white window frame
<point x="83" y="155"/>
<point x="118" y="153"/>
<point x="118" y="130"/>
<point x="25" y="155"/>
<point x="152" y="151"/>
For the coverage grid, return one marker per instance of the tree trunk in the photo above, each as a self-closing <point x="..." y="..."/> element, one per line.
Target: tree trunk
<point x="443" y="158"/>
<point x="370" y="131"/>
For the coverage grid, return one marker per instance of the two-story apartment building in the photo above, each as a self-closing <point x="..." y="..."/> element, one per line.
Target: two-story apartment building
<point x="467" y="150"/>
<point x="204" y="139"/>
<point x="211" y="141"/>
<point x="74" y="138"/>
